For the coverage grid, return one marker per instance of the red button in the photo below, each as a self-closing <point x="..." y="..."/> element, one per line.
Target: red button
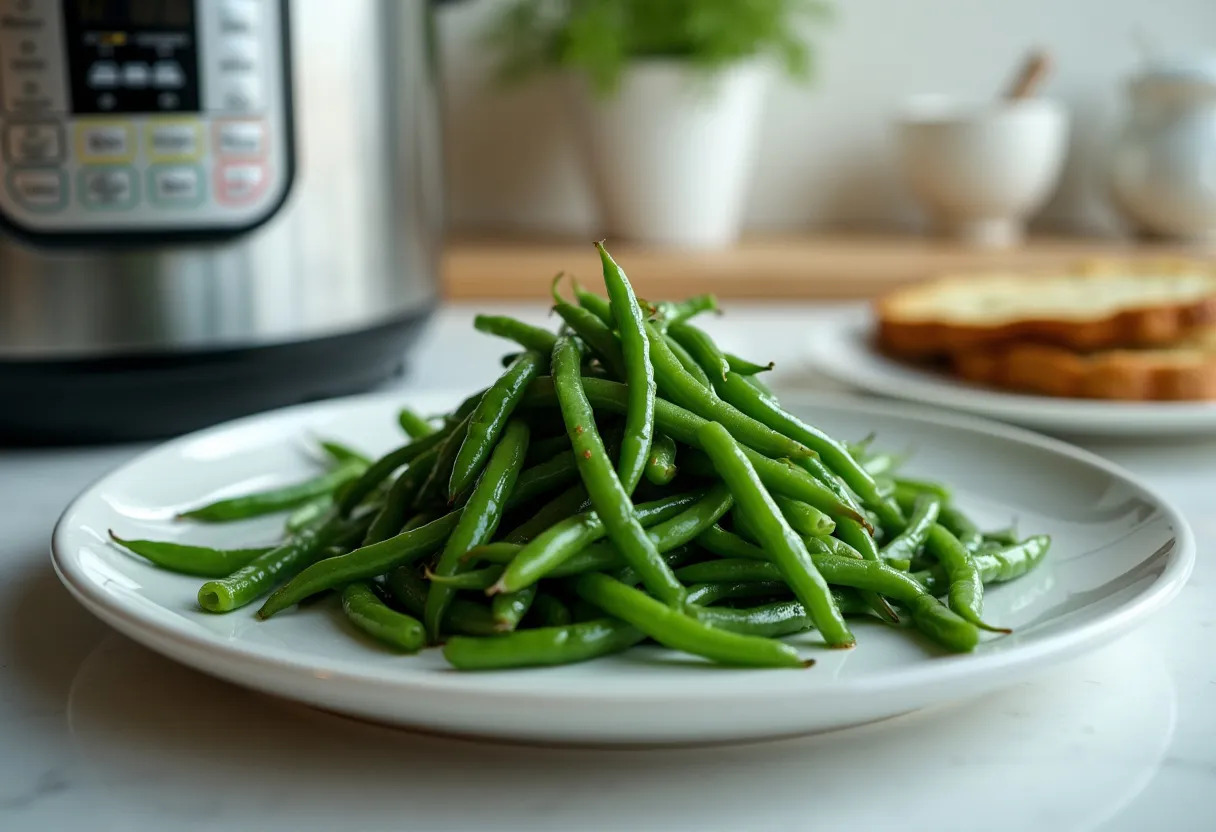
<point x="240" y="183"/>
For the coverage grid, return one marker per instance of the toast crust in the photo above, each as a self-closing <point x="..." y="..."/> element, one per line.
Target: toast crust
<point x="1184" y="373"/>
<point x="908" y="327"/>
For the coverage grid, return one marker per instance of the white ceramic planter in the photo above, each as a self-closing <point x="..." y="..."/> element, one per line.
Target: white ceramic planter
<point x="670" y="155"/>
<point x="1163" y="169"/>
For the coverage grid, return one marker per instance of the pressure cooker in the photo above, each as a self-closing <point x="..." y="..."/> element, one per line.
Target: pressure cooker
<point x="210" y="207"/>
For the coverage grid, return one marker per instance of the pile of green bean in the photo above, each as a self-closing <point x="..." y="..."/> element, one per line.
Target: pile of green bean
<point x="624" y="479"/>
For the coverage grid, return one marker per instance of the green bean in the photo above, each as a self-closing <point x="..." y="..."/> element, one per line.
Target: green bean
<point x="1002" y="537"/>
<point x="702" y="348"/>
<point x="479" y="518"/>
<point x="1005" y="564"/>
<point x="735" y="389"/>
<point x="434" y="487"/>
<point x="341" y="453"/>
<point x="550" y="611"/>
<point x="564" y="505"/>
<point x="371" y="615"/>
<point x="469" y="618"/>
<point x="804" y="519"/>
<point x="543" y="478"/>
<point x="401" y="497"/>
<point x="661" y="466"/>
<point x="476" y="580"/>
<point x="489" y="418"/>
<point x="682" y="426"/>
<point x="530" y="337"/>
<point x="361" y="564"/>
<point x="255" y="578"/>
<point x="966" y="590"/>
<point x="775" y="535"/>
<point x="781" y="618"/>
<point x="542" y="646"/>
<point x="408" y="589"/>
<point x="938" y="490"/>
<point x="725" y="544"/>
<point x="688" y="363"/>
<point x="877" y="465"/>
<point x="415" y="426"/>
<point x="595" y="333"/>
<point x="509" y="608"/>
<point x="200" y="561"/>
<point x="608" y="494"/>
<point x="567" y="538"/>
<point x="961" y="526"/>
<point x="639" y="372"/>
<point x="672" y="628"/>
<point x="705" y="594"/>
<point x="746" y="368"/>
<point x="668" y="313"/>
<point x="276" y="499"/>
<point x="679" y="386"/>
<point x="908" y="542"/>
<point x="308" y="513"/>
<point x="464" y="616"/>
<point x="596" y="304"/>
<point x="384" y="466"/>
<point x="564" y="540"/>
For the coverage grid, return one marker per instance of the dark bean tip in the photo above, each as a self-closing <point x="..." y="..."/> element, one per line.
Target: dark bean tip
<point x="808" y="663"/>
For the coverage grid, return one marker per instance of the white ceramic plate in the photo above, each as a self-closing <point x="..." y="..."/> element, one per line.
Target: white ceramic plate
<point x="1120" y="553"/>
<point x="841" y="349"/>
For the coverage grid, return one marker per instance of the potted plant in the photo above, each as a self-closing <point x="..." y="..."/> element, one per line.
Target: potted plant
<point x="666" y="95"/>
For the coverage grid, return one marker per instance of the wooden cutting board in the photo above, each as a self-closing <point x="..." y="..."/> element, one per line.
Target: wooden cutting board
<point x="819" y="267"/>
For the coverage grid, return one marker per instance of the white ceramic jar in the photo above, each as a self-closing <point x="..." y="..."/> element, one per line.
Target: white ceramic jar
<point x="1163" y="167"/>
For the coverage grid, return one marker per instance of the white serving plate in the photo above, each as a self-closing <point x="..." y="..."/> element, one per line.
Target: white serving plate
<point x="841" y="349"/>
<point x="1121" y="552"/>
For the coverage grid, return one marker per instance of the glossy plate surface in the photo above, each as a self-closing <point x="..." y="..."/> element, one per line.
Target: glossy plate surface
<point x="1120" y="553"/>
<point x="841" y="349"/>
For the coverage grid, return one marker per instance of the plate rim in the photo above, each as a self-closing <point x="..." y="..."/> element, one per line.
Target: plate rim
<point x="153" y="630"/>
<point x="1103" y="418"/>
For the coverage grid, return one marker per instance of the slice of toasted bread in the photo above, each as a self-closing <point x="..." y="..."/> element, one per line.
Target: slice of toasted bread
<point x="1095" y="306"/>
<point x="1183" y="371"/>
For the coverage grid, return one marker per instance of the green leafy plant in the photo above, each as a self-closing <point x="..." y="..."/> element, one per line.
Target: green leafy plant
<point x="599" y="38"/>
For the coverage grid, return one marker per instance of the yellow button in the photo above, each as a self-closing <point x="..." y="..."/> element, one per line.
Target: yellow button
<point x="174" y="140"/>
<point x="107" y="142"/>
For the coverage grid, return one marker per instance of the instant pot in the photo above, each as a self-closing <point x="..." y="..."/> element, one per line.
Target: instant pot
<point x="209" y="207"/>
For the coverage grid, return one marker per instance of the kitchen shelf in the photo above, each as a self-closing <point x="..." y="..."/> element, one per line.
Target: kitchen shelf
<point x="809" y="267"/>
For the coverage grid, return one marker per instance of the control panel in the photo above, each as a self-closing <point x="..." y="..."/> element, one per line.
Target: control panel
<point x="131" y="117"/>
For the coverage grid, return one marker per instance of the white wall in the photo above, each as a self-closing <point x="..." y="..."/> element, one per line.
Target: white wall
<point x="826" y="152"/>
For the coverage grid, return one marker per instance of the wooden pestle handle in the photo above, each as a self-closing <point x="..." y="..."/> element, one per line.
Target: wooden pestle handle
<point x="1031" y="74"/>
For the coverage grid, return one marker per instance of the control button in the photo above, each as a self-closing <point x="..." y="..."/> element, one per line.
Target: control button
<point x="168" y="75"/>
<point x="109" y="142"/>
<point x="180" y="185"/>
<point x="241" y="95"/>
<point x="241" y="183"/>
<point x="174" y="140"/>
<point x="33" y="143"/>
<point x="240" y="55"/>
<point x="38" y="190"/>
<point x="238" y="16"/>
<point x="103" y="75"/>
<point x="107" y="188"/>
<point x="136" y="75"/>
<point x="242" y="138"/>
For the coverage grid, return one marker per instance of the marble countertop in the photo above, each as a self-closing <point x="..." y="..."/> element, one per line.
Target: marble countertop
<point x="99" y="733"/>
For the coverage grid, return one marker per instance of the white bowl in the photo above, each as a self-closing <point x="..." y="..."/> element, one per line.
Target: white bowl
<point x="982" y="169"/>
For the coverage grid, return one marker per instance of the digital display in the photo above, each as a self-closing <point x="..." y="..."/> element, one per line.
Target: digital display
<point x="134" y="14"/>
<point x="132" y="56"/>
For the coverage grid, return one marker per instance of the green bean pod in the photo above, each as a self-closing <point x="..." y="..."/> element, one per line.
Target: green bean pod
<point x="479" y="518"/>
<point x="661" y="466"/>
<point x="341" y="453"/>
<point x="608" y="494"/>
<point x="672" y="628"/>
<point x="276" y="499"/>
<point x="746" y="368"/>
<point x="565" y="505"/>
<point x="702" y="348"/>
<point x="669" y="313"/>
<point x="596" y="304"/>
<point x="401" y="498"/>
<point x="489" y="418"/>
<point x="908" y="543"/>
<point x="595" y="333"/>
<point x="361" y="564"/>
<point x="365" y="610"/>
<point x="688" y="363"/>
<point x="415" y="426"/>
<point x="966" y="590"/>
<point x="550" y="611"/>
<point x="787" y="550"/>
<point x="639" y="372"/>
<point x="383" y="467"/>
<point x="308" y="513"/>
<point x="199" y="561"/>
<point x="529" y="337"/>
<point x="509" y="608"/>
<point x="542" y="646"/>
